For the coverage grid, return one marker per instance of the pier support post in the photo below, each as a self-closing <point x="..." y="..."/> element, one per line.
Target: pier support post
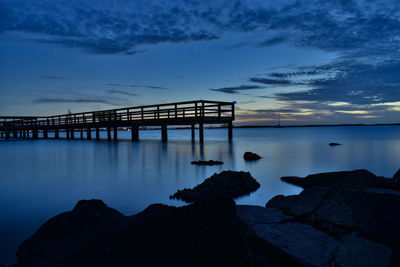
<point x="24" y="134"/>
<point x="56" y="134"/>
<point x="2" y="134"/>
<point x="108" y="133"/>
<point x="135" y="133"/>
<point x="72" y="131"/>
<point x="7" y="135"/>
<point x="230" y="131"/>
<point x="201" y="132"/>
<point x="81" y="129"/>
<point x="20" y="134"/>
<point x="15" y="134"/>
<point x="193" y="132"/>
<point x="35" y="134"/>
<point x="45" y="135"/>
<point x="164" y="133"/>
<point x="97" y="133"/>
<point x="67" y="133"/>
<point x="89" y="133"/>
<point x="115" y="133"/>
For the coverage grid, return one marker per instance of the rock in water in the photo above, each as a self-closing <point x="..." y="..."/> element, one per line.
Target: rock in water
<point x="227" y="184"/>
<point x="335" y="144"/>
<point x="92" y="234"/>
<point x="396" y="178"/>
<point x="357" y="179"/>
<point x="207" y="162"/>
<point x="251" y="156"/>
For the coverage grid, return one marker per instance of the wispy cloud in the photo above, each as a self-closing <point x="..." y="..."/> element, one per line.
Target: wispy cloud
<point x="273" y="41"/>
<point x="115" y="85"/>
<point x="237" y="89"/>
<point x="149" y="86"/>
<point x="268" y="81"/>
<point x="120" y="92"/>
<point x="54" y="77"/>
<point x="73" y="100"/>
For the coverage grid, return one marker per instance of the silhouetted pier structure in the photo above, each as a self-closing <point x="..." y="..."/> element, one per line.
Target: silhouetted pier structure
<point x="190" y="113"/>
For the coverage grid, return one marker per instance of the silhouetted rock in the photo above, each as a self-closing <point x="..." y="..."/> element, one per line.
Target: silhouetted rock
<point x="286" y="242"/>
<point x="207" y="162"/>
<point x="335" y="144"/>
<point x="396" y="178"/>
<point x="201" y="234"/>
<point x="229" y="184"/>
<point x="358" y="179"/>
<point x="251" y="156"/>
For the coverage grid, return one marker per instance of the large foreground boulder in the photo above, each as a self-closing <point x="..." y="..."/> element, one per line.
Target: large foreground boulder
<point x="201" y="234"/>
<point x="227" y="184"/>
<point x="286" y="242"/>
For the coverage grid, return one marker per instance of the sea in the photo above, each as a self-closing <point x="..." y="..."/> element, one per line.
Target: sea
<point x="42" y="178"/>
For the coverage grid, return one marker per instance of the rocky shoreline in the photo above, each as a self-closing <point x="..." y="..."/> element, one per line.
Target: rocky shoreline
<point x="339" y="219"/>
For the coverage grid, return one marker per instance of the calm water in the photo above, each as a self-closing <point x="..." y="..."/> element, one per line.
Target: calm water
<point x="42" y="178"/>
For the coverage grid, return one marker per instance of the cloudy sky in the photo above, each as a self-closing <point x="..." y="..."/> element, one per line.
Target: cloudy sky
<point x="311" y="61"/>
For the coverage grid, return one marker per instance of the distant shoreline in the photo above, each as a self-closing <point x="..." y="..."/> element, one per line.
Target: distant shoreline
<point x="314" y="125"/>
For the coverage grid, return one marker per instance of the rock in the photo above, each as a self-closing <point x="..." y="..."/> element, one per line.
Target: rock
<point x="300" y="205"/>
<point x="396" y="178"/>
<point x="335" y="144"/>
<point x="357" y="180"/>
<point x="375" y="216"/>
<point x="251" y="156"/>
<point x="257" y="214"/>
<point x="207" y="162"/>
<point x="356" y="251"/>
<point x="201" y="234"/>
<point x="229" y="184"/>
<point x="299" y="243"/>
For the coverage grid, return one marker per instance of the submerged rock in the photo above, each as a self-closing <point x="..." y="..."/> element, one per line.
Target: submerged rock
<point x="227" y="184"/>
<point x="335" y="144"/>
<point x="207" y="162"/>
<point x="201" y="234"/>
<point x="251" y="156"/>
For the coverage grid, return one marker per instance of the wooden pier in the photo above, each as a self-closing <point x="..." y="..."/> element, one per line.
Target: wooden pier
<point x="190" y="113"/>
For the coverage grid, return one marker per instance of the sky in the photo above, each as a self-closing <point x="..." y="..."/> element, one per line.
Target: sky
<point x="307" y="62"/>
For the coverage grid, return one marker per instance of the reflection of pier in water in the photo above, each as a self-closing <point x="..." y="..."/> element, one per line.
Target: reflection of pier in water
<point x="190" y="113"/>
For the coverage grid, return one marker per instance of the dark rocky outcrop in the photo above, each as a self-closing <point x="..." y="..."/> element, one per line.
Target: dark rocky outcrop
<point x="207" y="162"/>
<point x="351" y="208"/>
<point x="249" y="156"/>
<point x="201" y="234"/>
<point x="396" y="178"/>
<point x="229" y="184"/>
<point x="335" y="144"/>
<point x="353" y="180"/>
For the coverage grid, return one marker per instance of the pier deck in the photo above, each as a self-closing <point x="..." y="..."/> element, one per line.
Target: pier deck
<point x="190" y="113"/>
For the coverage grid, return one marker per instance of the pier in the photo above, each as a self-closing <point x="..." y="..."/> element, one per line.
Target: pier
<point x="190" y="113"/>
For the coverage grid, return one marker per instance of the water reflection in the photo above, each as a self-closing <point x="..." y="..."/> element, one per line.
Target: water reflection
<point x="42" y="178"/>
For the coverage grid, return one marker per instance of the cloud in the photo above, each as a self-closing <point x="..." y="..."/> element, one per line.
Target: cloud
<point x="267" y="81"/>
<point x="73" y="100"/>
<point x="149" y="86"/>
<point x="115" y="84"/>
<point x="237" y="89"/>
<point x="273" y="41"/>
<point x="124" y="27"/>
<point x="121" y="92"/>
<point x="53" y="77"/>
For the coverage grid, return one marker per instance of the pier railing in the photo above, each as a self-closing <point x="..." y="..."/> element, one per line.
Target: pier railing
<point x="181" y="110"/>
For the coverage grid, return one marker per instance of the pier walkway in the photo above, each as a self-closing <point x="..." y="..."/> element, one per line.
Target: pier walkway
<point x="190" y="113"/>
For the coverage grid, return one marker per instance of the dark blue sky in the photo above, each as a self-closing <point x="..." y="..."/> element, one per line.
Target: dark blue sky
<point x="311" y="61"/>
